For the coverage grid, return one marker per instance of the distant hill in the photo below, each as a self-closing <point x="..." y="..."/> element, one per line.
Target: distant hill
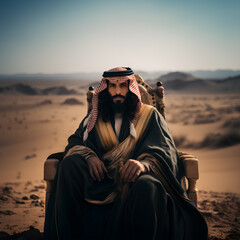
<point x="28" y="90"/>
<point x="72" y="101"/>
<point x="230" y="84"/>
<point x="150" y="75"/>
<point x="175" y="81"/>
<point x="60" y="76"/>
<point x="176" y="75"/>
<point x="215" y="74"/>
<point x="19" y="88"/>
<point x="227" y="85"/>
<point x="57" y="91"/>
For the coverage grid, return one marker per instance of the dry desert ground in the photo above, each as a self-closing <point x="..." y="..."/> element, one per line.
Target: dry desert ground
<point x="33" y="127"/>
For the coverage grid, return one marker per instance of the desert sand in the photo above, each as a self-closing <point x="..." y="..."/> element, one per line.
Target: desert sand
<point x="33" y="127"/>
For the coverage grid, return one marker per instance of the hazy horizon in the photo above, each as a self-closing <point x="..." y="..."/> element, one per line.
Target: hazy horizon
<point x="136" y="70"/>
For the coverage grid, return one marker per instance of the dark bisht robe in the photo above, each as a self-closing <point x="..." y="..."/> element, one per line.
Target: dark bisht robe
<point x="155" y="206"/>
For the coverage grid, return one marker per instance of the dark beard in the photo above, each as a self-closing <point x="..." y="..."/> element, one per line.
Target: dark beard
<point x="107" y="108"/>
<point x="119" y="107"/>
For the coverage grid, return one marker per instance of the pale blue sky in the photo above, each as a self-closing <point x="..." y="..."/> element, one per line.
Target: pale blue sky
<point x="56" y="36"/>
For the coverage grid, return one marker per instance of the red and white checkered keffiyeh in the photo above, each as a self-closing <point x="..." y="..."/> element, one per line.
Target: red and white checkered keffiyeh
<point x="133" y="87"/>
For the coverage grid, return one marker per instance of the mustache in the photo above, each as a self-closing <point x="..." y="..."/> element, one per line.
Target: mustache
<point x="118" y="95"/>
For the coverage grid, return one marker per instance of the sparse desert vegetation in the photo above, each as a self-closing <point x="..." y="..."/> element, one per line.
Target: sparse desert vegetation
<point x="217" y="116"/>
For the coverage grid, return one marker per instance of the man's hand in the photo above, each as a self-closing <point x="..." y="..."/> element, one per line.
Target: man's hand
<point x="131" y="170"/>
<point x="96" y="168"/>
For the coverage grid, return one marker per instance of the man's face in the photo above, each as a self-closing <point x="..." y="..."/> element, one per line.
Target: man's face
<point x="118" y="91"/>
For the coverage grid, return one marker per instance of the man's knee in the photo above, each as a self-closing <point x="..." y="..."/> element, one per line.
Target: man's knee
<point x="145" y="183"/>
<point x="70" y="164"/>
<point x="148" y="186"/>
<point x="67" y="163"/>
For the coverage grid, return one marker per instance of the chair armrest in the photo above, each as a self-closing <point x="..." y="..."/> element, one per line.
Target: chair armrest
<point x="191" y="168"/>
<point x="191" y="171"/>
<point x="50" y="168"/>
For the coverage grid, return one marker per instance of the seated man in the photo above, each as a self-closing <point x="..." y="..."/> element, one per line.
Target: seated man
<point x="120" y="176"/>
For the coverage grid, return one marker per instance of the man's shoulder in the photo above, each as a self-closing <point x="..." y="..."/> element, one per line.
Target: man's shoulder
<point x="153" y="112"/>
<point x="148" y="109"/>
<point x="145" y="114"/>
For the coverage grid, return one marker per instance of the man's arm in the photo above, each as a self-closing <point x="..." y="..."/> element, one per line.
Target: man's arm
<point x="76" y="146"/>
<point x="156" y="148"/>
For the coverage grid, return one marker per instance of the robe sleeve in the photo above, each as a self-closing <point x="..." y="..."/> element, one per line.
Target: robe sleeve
<point x="76" y="144"/>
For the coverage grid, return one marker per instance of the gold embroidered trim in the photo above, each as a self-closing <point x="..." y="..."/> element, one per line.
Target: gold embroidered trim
<point x="109" y="199"/>
<point x="106" y="134"/>
<point x="108" y="137"/>
<point x="82" y="150"/>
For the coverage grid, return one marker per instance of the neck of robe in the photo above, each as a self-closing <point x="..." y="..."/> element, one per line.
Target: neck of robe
<point x="124" y="130"/>
<point x="118" y="123"/>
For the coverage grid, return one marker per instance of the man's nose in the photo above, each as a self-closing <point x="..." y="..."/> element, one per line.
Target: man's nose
<point x="118" y="90"/>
